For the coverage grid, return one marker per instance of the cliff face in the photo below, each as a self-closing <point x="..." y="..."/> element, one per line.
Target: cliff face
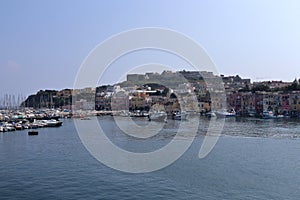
<point x="49" y="99"/>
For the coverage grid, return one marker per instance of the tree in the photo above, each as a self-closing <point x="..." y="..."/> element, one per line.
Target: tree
<point x="260" y="88"/>
<point x="245" y="89"/>
<point x="294" y="86"/>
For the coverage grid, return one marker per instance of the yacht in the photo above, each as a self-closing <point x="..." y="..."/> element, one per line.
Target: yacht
<point x="9" y="127"/>
<point x="52" y="123"/>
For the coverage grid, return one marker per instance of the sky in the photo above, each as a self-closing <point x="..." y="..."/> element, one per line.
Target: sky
<point x="43" y="43"/>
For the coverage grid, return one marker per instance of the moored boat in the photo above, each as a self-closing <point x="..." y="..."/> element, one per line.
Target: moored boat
<point x="9" y="127"/>
<point x="268" y="115"/>
<point x="222" y="114"/>
<point x="32" y="132"/>
<point x="177" y="115"/>
<point x="139" y="113"/>
<point x="18" y="126"/>
<point x="86" y="118"/>
<point x="3" y="129"/>
<point x="159" y="116"/>
<point x="34" y="125"/>
<point x="52" y="123"/>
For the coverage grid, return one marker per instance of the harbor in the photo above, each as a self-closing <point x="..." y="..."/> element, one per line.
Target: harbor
<point x="14" y="120"/>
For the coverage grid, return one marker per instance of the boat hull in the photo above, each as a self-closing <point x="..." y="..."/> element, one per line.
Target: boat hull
<point x="159" y="117"/>
<point x="33" y="132"/>
<point x="225" y="114"/>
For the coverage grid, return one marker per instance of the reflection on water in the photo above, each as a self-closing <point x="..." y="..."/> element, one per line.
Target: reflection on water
<point x="251" y="127"/>
<point x="244" y="127"/>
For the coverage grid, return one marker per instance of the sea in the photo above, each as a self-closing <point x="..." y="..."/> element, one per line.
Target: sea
<point x="252" y="159"/>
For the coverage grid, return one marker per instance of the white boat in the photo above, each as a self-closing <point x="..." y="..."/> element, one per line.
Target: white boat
<point x="41" y="124"/>
<point x="34" y="125"/>
<point x="268" y="115"/>
<point x="159" y="116"/>
<point x="179" y="115"/>
<point x="9" y="127"/>
<point x="139" y="113"/>
<point x="3" y="129"/>
<point x="222" y="114"/>
<point x="18" y="126"/>
<point x="52" y="123"/>
<point x="25" y="126"/>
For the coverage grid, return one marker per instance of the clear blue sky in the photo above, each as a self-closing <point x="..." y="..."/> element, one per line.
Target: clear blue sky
<point x="43" y="43"/>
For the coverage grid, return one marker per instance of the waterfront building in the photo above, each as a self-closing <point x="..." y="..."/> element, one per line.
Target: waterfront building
<point x="120" y="101"/>
<point x="204" y="107"/>
<point x="295" y="103"/>
<point x="139" y="101"/>
<point x="285" y="103"/>
<point x="242" y="102"/>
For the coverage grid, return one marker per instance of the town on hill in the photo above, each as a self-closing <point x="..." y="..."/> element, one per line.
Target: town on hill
<point x="142" y="91"/>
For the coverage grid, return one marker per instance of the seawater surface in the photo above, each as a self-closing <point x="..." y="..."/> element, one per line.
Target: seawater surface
<point x="253" y="159"/>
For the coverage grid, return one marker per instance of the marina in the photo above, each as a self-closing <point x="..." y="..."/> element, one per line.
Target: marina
<point x="29" y="119"/>
<point x="32" y="119"/>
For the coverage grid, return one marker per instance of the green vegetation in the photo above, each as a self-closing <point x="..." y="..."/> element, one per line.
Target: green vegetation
<point x="260" y="88"/>
<point x="294" y="86"/>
